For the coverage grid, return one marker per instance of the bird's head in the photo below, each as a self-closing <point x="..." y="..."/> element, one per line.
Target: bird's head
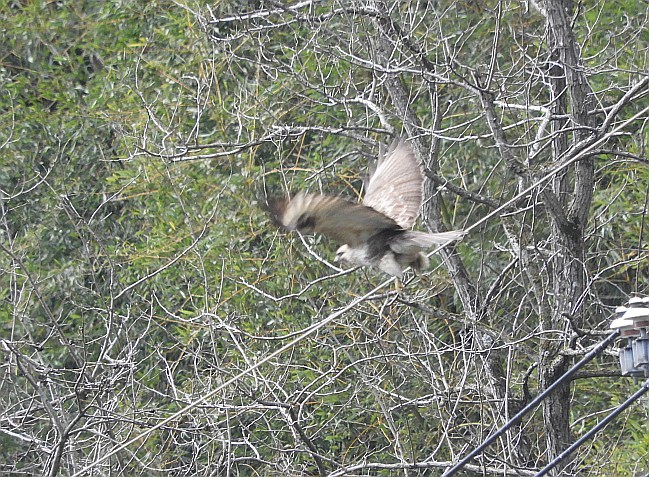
<point x="276" y="207"/>
<point x="289" y="213"/>
<point x="343" y="254"/>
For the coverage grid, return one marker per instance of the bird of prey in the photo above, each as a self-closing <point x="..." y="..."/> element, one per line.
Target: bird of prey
<point x="376" y="232"/>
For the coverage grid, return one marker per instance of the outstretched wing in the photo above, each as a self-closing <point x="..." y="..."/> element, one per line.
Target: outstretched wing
<point x="334" y="217"/>
<point x="396" y="186"/>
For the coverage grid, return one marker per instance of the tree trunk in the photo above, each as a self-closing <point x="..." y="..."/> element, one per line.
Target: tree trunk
<point x="572" y="98"/>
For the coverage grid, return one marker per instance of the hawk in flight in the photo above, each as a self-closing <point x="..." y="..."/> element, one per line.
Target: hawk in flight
<point x="376" y="232"/>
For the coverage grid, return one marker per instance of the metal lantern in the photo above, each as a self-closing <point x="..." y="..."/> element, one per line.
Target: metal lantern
<point x="633" y="322"/>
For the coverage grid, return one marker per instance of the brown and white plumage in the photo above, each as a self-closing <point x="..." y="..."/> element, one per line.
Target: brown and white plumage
<point x="375" y="232"/>
<point x="396" y="188"/>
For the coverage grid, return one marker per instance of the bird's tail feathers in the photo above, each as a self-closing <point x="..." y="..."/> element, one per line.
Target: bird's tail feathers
<point x="426" y="240"/>
<point x="413" y="241"/>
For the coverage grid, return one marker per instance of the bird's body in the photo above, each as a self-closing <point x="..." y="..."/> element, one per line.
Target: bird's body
<point x="374" y="233"/>
<point x="395" y="251"/>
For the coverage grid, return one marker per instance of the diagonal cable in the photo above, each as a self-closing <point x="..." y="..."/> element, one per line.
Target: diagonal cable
<point x="532" y="404"/>
<point x="595" y="429"/>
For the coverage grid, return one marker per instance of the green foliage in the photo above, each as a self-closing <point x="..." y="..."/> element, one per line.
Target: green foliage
<point x="139" y="271"/>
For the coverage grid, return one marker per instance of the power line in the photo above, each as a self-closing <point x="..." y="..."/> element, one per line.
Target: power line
<point x="600" y="425"/>
<point x="532" y="404"/>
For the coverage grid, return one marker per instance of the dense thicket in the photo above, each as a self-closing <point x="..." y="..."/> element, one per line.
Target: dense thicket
<point x="141" y="283"/>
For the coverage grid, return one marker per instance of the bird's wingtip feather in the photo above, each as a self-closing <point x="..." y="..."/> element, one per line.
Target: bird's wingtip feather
<point x="276" y="208"/>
